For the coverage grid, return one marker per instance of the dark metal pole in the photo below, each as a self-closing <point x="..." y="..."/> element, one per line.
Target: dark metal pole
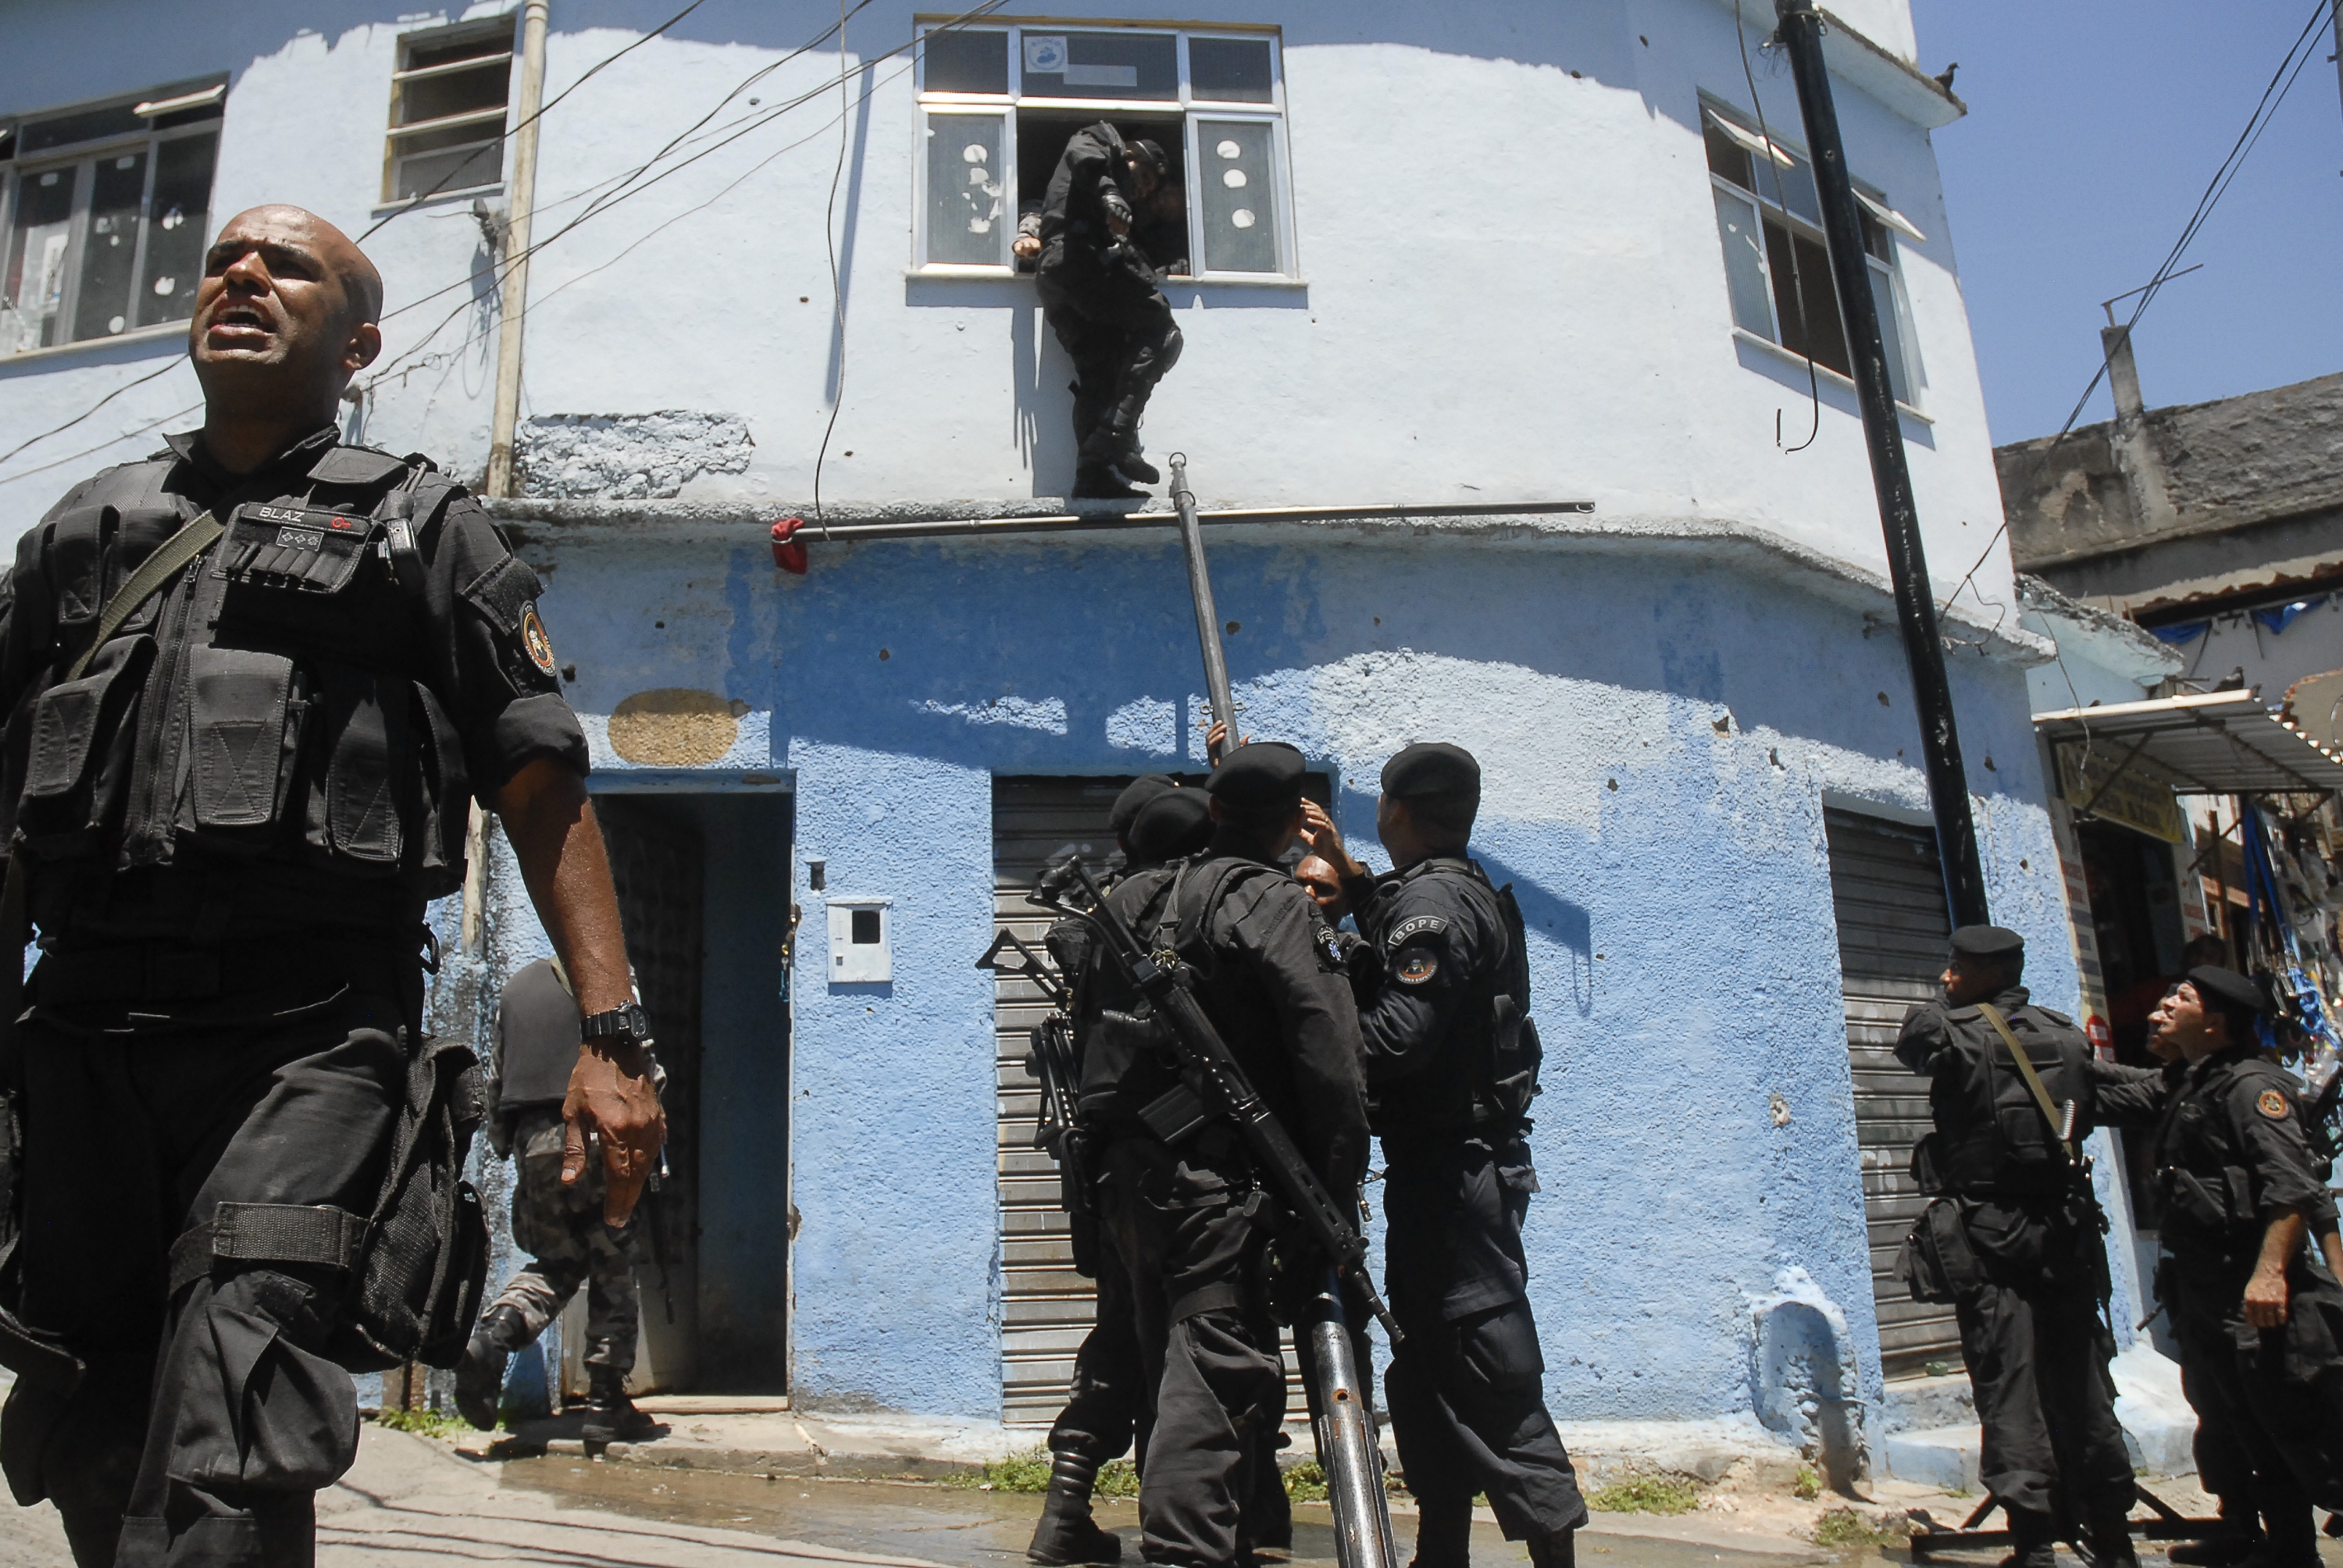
<point x="1907" y="567"/>
<point x="1200" y="589"/>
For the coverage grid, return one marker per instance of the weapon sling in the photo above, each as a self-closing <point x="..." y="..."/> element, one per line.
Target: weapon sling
<point x="2032" y="1078"/>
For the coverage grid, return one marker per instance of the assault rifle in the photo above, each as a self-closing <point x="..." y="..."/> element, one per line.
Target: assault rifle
<point x="1059" y="1130"/>
<point x="1343" y="1424"/>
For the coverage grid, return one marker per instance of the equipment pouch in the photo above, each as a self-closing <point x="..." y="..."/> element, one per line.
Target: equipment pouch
<point x="1937" y="1263"/>
<point x="244" y="715"/>
<point x="78" y="762"/>
<point x="1175" y="1115"/>
<point x="293" y="549"/>
<point x="1515" y="1055"/>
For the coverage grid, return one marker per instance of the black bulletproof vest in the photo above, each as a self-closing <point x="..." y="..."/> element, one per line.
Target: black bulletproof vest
<point x="268" y="707"/>
<point x="1486" y="1071"/>
<point x="1991" y="1137"/>
<point x="2202" y="1190"/>
<point x="537" y="1039"/>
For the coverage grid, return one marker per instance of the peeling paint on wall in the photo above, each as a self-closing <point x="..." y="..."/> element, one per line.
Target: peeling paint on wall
<point x="627" y="457"/>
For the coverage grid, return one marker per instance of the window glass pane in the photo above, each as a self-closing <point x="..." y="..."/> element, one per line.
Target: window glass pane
<point x="423" y="57"/>
<point x="1236" y="181"/>
<point x="459" y="93"/>
<point x="87" y="126"/>
<point x="109" y="251"/>
<point x="178" y="222"/>
<point x="1745" y="264"/>
<point x="1229" y="70"/>
<point x="1102" y="65"/>
<point x="966" y="189"/>
<point x="1804" y="297"/>
<point x="1726" y="156"/>
<point x="36" y="259"/>
<point x="1797" y="188"/>
<point x="1891" y="331"/>
<point x="962" y="60"/>
<point x="460" y="168"/>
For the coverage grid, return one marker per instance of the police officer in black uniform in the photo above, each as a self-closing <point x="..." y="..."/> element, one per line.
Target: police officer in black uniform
<point x="2011" y="1237"/>
<point x="1184" y="1206"/>
<point x="1452" y="1061"/>
<point x="1099" y="294"/>
<point x="2236" y="1188"/>
<point x="226" y="808"/>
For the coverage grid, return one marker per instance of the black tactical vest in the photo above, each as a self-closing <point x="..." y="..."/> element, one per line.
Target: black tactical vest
<point x="2202" y="1190"/>
<point x="1487" y="1073"/>
<point x="267" y="709"/>
<point x="1991" y="1136"/>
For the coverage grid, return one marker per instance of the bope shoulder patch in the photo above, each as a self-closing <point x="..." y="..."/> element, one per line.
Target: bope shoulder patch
<point x="2272" y="1104"/>
<point x="1415" y="966"/>
<point x="1414" y="926"/>
<point x="533" y="637"/>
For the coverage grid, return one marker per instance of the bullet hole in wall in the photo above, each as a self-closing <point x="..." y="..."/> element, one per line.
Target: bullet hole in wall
<point x="1576" y="78"/>
<point x="884" y="655"/>
<point x="1646" y="42"/>
<point x="1883" y="699"/>
<point x="1378" y="620"/>
<point x="569" y="672"/>
<point x="850" y="454"/>
<point x="1235" y="626"/>
<point x="803" y="298"/>
<point x="1989" y="765"/>
<point x="659" y="626"/>
<point x="2026" y="865"/>
<point x="1611" y="783"/>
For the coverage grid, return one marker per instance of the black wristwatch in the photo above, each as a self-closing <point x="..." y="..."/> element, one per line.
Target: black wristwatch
<point x="628" y="1025"/>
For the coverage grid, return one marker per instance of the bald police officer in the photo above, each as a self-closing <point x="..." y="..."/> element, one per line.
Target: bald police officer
<point x="1184" y="1207"/>
<point x="2011" y="1238"/>
<point x="1452" y="1063"/>
<point x="252" y="685"/>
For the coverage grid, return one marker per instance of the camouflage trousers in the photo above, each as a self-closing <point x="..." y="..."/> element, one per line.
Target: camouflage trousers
<point x="561" y="1230"/>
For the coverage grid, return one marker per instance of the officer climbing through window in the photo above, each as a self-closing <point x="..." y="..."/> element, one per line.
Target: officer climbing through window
<point x="1098" y="293"/>
<point x="1451" y="1062"/>
<point x="2011" y="1238"/>
<point x="1180" y="1201"/>
<point x="252" y="685"/>
<point x="560" y="1225"/>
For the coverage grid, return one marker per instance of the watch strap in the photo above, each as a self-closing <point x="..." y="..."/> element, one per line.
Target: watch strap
<point x="627" y="1023"/>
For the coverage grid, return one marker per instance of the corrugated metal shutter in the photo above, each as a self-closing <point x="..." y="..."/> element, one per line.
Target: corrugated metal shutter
<point x="1046" y="1307"/>
<point x="1887" y="890"/>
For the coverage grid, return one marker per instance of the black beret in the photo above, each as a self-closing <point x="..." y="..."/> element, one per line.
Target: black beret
<point x="1262" y="775"/>
<point x="1988" y="942"/>
<point x="1135" y="795"/>
<point x="1433" y="768"/>
<point x="2228" y="990"/>
<point x="1176" y="822"/>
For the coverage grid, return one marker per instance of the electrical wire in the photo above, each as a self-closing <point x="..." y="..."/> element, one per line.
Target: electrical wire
<point x="543" y="109"/>
<point x="837" y="287"/>
<point x="2281" y="83"/>
<point x="93" y="408"/>
<point x="1797" y="284"/>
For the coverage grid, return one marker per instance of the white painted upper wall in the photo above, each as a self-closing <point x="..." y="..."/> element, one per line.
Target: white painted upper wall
<point x="1514" y="289"/>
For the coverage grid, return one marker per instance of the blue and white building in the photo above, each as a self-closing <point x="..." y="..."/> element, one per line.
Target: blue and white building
<point x="1496" y="325"/>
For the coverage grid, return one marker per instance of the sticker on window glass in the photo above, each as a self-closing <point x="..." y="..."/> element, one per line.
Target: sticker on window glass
<point x="1229" y="150"/>
<point x="1242" y="217"/>
<point x="1234" y="178"/>
<point x="1045" y="52"/>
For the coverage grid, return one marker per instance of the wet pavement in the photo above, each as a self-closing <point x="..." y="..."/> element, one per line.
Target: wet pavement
<point x="974" y="1529"/>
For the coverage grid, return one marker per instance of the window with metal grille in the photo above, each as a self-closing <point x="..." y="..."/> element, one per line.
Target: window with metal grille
<point x="1000" y="103"/>
<point x="1777" y="268"/>
<point x="447" y="105"/>
<point x="108" y="210"/>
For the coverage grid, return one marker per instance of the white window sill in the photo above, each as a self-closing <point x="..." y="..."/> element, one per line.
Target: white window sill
<point x="494" y="188"/>
<point x="161" y="329"/>
<point x="1742" y="334"/>
<point x="1008" y="275"/>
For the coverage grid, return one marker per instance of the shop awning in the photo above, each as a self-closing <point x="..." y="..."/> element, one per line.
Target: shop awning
<point x="2216" y="743"/>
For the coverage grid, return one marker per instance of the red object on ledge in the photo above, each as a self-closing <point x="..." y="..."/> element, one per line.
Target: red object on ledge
<point x="789" y="550"/>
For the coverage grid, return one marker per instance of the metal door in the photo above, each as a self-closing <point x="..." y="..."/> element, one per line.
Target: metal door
<point x="1887" y="890"/>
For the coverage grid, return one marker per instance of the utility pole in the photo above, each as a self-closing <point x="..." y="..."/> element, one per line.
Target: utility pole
<point x="1801" y="34"/>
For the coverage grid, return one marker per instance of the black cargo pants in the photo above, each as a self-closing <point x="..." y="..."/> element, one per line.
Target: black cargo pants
<point x="208" y="1420"/>
<point x="1114" y="324"/>
<point x="1105" y="1407"/>
<point x="1466" y="1383"/>
<point x="1184" y="1227"/>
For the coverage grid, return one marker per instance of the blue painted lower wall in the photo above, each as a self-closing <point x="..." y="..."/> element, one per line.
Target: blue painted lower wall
<point x="1659" y="732"/>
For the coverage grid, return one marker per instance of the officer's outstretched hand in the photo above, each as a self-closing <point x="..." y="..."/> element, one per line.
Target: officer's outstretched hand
<point x="2265" y="1299"/>
<point x="612" y="1097"/>
<point x="1325" y="841"/>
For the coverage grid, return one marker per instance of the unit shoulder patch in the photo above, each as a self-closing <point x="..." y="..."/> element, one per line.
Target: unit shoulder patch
<point x="1415" y="926"/>
<point x="2272" y="1104"/>
<point x="533" y="639"/>
<point x="1416" y="965"/>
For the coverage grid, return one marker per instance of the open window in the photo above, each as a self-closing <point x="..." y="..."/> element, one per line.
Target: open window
<point x="998" y="104"/>
<point x="449" y="100"/>
<point x="1776" y="267"/>
<point x="108" y="211"/>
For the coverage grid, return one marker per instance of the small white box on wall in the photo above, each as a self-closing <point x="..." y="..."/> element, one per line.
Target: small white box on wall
<point x="861" y="941"/>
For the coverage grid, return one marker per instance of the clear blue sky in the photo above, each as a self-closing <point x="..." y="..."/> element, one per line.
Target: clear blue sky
<point x="2093" y="127"/>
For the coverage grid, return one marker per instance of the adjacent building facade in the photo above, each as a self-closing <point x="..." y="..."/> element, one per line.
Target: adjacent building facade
<point x="1496" y="321"/>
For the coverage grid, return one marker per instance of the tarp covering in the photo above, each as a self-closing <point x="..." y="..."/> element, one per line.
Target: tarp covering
<point x="2217" y="743"/>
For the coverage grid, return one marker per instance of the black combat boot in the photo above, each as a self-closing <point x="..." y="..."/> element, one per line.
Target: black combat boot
<point x="2033" y="1538"/>
<point x="2290" y="1537"/>
<point x="2238" y="1538"/>
<point x="2110" y="1538"/>
<point x="1443" y="1533"/>
<point x="610" y="1415"/>
<point x="1067" y="1533"/>
<point x="1556" y="1550"/>
<point x="1115" y="440"/>
<point x="480" y="1376"/>
<point x="1099" y="482"/>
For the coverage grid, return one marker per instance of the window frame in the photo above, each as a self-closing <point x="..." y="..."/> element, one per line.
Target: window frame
<point x="502" y="27"/>
<point x="81" y="160"/>
<point x="1891" y="226"/>
<point x="1186" y="105"/>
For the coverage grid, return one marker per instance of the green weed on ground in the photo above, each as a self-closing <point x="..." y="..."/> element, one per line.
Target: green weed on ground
<point x="421" y="1422"/>
<point x="1808" y="1486"/>
<point x="1842" y="1529"/>
<point x="1029" y="1472"/>
<point x="1647" y="1494"/>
